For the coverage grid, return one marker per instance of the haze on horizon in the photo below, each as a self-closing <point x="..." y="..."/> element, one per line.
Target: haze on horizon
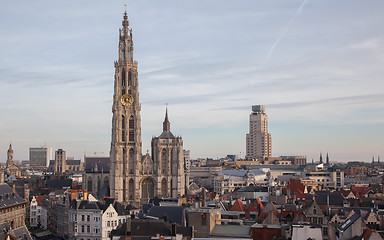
<point x="316" y="65"/>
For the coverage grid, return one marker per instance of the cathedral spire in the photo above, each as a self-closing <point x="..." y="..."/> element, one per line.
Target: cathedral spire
<point x="166" y="123"/>
<point x="321" y="157"/>
<point x="327" y="159"/>
<point x="125" y="41"/>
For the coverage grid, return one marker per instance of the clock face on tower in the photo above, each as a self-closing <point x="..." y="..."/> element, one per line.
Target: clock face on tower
<point x="127" y="99"/>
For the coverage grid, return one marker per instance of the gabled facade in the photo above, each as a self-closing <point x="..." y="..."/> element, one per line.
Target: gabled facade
<point x="85" y="220"/>
<point x="315" y="215"/>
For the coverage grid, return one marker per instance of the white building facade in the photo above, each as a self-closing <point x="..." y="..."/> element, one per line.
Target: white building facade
<point x="84" y="220"/>
<point x="230" y="180"/>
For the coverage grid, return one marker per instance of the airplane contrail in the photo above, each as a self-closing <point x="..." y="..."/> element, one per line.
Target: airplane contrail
<point x="298" y="11"/>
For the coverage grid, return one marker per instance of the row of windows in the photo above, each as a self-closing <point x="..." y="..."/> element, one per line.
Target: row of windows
<point x="111" y="223"/>
<point x="124" y="80"/>
<point x="85" y="229"/>
<point x="85" y="218"/>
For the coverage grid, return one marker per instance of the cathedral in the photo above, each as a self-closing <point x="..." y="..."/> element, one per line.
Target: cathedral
<point x="135" y="178"/>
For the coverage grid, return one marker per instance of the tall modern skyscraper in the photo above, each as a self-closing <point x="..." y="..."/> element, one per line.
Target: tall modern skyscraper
<point x="259" y="143"/>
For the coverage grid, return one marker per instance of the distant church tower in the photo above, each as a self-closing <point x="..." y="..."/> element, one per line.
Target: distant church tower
<point x="10" y="160"/>
<point x="125" y="153"/>
<point x="168" y="159"/>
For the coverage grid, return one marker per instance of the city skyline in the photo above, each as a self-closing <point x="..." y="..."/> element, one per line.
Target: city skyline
<point x="316" y="66"/>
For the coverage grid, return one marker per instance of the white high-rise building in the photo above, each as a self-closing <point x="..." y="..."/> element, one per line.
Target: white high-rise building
<point x="259" y="143"/>
<point x="40" y="156"/>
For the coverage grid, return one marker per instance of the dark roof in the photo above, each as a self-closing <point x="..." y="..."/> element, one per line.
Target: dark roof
<point x="130" y="207"/>
<point x="166" y="134"/>
<point x="150" y="227"/>
<point x="73" y="162"/>
<point x="329" y="199"/>
<point x="121" y="211"/>
<point x="349" y="222"/>
<point x="147" y="206"/>
<point x="102" y="164"/>
<point x="59" y="183"/>
<point x="8" y="197"/>
<point x="22" y="233"/>
<point x="84" y="204"/>
<point x="253" y="189"/>
<point x="4" y="228"/>
<point x="174" y="214"/>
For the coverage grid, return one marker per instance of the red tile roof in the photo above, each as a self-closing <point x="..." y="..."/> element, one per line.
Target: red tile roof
<point x="256" y="206"/>
<point x="238" y="206"/>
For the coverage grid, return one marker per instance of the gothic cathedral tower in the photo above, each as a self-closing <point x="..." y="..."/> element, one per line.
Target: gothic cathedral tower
<point x="126" y="144"/>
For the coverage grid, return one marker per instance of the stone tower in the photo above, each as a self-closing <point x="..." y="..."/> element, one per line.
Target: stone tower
<point x="10" y="160"/>
<point x="125" y="153"/>
<point x="168" y="159"/>
<point x="60" y="161"/>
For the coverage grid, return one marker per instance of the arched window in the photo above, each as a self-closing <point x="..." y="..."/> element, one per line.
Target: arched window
<point x="130" y="78"/>
<point x="106" y="181"/>
<point x="131" y="163"/>
<point x="124" y="190"/>
<point x="123" y="128"/>
<point x="89" y="185"/>
<point x="163" y="158"/>
<point x="147" y="188"/>
<point x="173" y="163"/>
<point x="123" y="78"/>
<point x="124" y="159"/>
<point x="164" y="189"/>
<point x="131" y="129"/>
<point x="131" y="188"/>
<point x="98" y="184"/>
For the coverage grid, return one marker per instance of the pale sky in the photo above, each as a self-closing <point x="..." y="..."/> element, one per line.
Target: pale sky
<point x="316" y="65"/>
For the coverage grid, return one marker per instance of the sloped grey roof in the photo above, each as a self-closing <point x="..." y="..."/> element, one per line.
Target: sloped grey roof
<point x="4" y="228"/>
<point x="73" y="162"/>
<point x="150" y="227"/>
<point x="8" y="197"/>
<point x="22" y="233"/>
<point x="84" y="204"/>
<point x="59" y="183"/>
<point x="166" y="134"/>
<point x="102" y="163"/>
<point x="329" y="199"/>
<point x="174" y="214"/>
<point x="349" y="222"/>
